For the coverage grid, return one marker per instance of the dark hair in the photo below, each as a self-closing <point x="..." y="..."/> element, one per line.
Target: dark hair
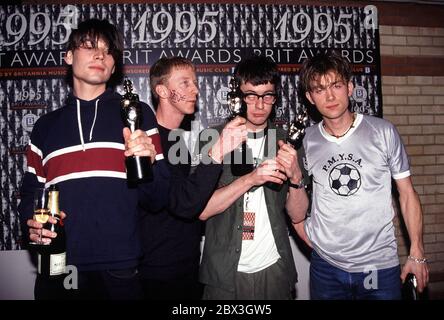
<point x="161" y="70"/>
<point x="257" y="70"/>
<point x="94" y="30"/>
<point x="321" y="64"/>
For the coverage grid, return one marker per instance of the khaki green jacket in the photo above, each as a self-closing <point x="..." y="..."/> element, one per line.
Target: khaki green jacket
<point x="223" y="233"/>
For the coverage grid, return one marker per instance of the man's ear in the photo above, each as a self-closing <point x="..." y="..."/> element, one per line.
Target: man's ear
<point x="350" y="88"/>
<point x="69" y="57"/>
<point x="308" y="96"/>
<point x="162" y="91"/>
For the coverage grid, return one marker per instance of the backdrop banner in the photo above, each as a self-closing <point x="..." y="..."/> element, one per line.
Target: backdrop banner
<point x="213" y="36"/>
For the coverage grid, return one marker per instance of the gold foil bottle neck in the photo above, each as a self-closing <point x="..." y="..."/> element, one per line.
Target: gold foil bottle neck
<point x="53" y="203"/>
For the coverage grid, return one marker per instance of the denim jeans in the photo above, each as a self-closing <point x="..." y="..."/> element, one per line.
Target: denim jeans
<point x="330" y="283"/>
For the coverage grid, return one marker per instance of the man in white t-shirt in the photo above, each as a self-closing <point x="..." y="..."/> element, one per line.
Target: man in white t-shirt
<point x="352" y="158"/>
<point x="247" y="252"/>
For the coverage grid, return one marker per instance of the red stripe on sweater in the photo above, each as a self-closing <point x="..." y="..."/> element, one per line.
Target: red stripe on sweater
<point x="157" y="143"/>
<point x="34" y="161"/>
<point x="107" y="159"/>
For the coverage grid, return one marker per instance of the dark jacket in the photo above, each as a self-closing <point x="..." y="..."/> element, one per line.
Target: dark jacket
<point x="223" y="234"/>
<point x="171" y="239"/>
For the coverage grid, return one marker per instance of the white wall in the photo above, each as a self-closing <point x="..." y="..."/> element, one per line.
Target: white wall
<point x="303" y="268"/>
<point x="17" y="275"/>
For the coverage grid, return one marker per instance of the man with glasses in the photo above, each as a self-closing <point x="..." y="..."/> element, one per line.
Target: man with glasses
<point x="171" y="238"/>
<point x="247" y="252"/>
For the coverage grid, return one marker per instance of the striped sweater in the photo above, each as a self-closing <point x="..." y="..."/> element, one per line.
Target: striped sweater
<point x="80" y="148"/>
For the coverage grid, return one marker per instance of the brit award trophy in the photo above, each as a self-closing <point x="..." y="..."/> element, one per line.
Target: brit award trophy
<point x="295" y="134"/>
<point x="296" y="130"/>
<point x="137" y="168"/>
<point x="241" y="157"/>
<point x="236" y="104"/>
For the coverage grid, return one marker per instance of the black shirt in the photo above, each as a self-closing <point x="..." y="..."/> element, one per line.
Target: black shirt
<point x="171" y="238"/>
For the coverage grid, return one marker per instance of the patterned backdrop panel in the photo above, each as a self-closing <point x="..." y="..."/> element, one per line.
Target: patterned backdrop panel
<point x="214" y="36"/>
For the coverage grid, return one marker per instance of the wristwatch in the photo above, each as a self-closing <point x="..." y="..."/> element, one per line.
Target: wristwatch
<point x="299" y="185"/>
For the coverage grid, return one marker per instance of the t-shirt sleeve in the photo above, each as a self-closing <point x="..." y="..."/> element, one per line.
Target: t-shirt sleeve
<point x="397" y="156"/>
<point x="303" y="156"/>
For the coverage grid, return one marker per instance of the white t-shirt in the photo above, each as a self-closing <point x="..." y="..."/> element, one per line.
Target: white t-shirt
<point x="260" y="252"/>
<point x="351" y="216"/>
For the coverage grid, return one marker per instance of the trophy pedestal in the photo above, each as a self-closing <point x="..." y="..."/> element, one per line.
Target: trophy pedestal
<point x="274" y="186"/>
<point x="138" y="169"/>
<point x="241" y="161"/>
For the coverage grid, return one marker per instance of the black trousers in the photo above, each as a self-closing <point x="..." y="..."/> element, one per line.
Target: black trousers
<point x="122" y="284"/>
<point x="186" y="287"/>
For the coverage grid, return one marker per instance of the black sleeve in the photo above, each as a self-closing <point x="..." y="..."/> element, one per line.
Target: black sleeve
<point x="301" y="159"/>
<point x="25" y="208"/>
<point x="153" y="195"/>
<point x="34" y="176"/>
<point x="190" y="194"/>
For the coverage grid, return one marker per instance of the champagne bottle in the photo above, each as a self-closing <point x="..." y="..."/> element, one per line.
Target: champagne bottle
<point x="409" y="288"/>
<point x="52" y="258"/>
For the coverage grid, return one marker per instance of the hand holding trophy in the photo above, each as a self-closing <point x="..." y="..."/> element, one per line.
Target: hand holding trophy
<point x="137" y="168"/>
<point x="234" y="96"/>
<point x="241" y="157"/>
<point x="296" y="129"/>
<point x="294" y="136"/>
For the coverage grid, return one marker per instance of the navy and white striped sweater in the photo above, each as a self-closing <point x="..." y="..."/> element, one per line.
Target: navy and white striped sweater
<point x="80" y="147"/>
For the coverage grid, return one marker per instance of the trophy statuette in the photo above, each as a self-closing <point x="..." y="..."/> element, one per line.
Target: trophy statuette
<point x="295" y="134"/>
<point x="234" y="98"/>
<point x="241" y="157"/>
<point x="296" y="130"/>
<point x="137" y="168"/>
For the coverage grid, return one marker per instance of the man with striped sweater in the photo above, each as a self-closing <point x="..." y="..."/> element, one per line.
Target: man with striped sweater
<point x="81" y="148"/>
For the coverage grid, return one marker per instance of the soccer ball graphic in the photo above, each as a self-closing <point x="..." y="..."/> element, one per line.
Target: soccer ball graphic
<point x="345" y="179"/>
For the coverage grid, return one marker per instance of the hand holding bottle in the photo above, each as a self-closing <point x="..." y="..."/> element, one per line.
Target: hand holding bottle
<point x="36" y="229"/>
<point x="41" y="211"/>
<point x="51" y="260"/>
<point x="416" y="265"/>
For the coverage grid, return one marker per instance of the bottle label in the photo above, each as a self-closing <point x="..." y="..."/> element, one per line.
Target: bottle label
<point x="57" y="264"/>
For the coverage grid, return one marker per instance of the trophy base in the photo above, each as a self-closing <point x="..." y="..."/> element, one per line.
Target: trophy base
<point x="242" y="169"/>
<point x="274" y="186"/>
<point x="138" y="169"/>
<point x="241" y="161"/>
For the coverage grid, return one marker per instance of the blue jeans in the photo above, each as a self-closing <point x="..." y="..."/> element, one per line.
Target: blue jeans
<point x="330" y="283"/>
